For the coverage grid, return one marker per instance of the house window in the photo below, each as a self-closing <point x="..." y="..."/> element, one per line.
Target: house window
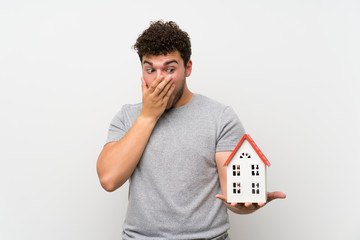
<point x="255" y="169"/>
<point x="255" y="188"/>
<point x="245" y="155"/>
<point x="236" y="170"/>
<point x="236" y="188"/>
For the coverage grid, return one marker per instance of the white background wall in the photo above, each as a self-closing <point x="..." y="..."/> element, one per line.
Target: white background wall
<point x="290" y="69"/>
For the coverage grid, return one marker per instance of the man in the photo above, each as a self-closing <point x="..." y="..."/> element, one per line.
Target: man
<point x="172" y="148"/>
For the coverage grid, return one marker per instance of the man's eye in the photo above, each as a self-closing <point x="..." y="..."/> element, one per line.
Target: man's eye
<point x="150" y="70"/>
<point x="171" y="70"/>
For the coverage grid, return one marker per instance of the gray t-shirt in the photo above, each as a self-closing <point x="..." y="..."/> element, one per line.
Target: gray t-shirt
<point x="172" y="190"/>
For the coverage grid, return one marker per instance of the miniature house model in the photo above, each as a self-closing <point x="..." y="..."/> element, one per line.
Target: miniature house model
<point x="246" y="173"/>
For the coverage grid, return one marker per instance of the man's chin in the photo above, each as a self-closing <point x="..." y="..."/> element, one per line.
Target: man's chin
<point x="173" y="100"/>
<point x="169" y="106"/>
<point x="171" y="103"/>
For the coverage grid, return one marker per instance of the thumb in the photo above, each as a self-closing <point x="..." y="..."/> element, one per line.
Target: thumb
<point x="221" y="197"/>
<point x="144" y="86"/>
<point x="275" y="195"/>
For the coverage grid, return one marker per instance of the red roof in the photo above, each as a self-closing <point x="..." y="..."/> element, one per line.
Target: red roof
<point x="254" y="146"/>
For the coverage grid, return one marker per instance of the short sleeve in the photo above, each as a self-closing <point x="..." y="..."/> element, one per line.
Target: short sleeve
<point x="118" y="127"/>
<point x="230" y="131"/>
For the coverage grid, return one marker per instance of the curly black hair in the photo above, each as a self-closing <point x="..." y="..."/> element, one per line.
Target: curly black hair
<point x="162" y="38"/>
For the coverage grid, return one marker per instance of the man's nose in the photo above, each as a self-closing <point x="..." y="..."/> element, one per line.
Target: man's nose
<point x="161" y="74"/>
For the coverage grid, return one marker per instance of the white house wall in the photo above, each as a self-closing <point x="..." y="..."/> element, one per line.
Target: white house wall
<point x="246" y="179"/>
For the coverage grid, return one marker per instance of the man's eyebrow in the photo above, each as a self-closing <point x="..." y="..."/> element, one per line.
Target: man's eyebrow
<point x="166" y="63"/>
<point x="171" y="61"/>
<point x="148" y="63"/>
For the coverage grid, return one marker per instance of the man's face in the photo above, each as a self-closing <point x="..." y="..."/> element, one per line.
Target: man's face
<point x="160" y="67"/>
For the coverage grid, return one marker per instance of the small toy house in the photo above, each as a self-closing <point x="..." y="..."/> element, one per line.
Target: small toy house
<point x="246" y="173"/>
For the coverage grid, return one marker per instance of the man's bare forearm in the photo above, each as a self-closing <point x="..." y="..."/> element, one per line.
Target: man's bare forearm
<point x="118" y="160"/>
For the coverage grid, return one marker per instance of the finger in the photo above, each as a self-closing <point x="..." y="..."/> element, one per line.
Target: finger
<point x="234" y="204"/>
<point x="261" y="204"/>
<point x="160" y="88"/>
<point x="248" y="205"/>
<point x="166" y="89"/>
<point x="274" y="195"/>
<point x="143" y="85"/>
<point x="169" y="92"/>
<point x="221" y="197"/>
<point x="154" y="84"/>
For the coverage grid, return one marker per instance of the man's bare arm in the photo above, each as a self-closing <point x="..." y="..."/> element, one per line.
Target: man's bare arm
<point x="118" y="160"/>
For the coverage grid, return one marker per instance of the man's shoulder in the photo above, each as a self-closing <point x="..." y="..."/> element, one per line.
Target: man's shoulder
<point x="132" y="107"/>
<point x="208" y="102"/>
<point x="131" y="110"/>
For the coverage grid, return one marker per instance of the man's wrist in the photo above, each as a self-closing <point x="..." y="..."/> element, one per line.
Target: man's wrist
<point x="147" y="120"/>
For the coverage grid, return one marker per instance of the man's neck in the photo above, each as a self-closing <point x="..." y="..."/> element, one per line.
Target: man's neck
<point x="185" y="97"/>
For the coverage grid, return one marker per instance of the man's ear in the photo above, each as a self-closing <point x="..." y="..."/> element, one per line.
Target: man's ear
<point x="188" y="68"/>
